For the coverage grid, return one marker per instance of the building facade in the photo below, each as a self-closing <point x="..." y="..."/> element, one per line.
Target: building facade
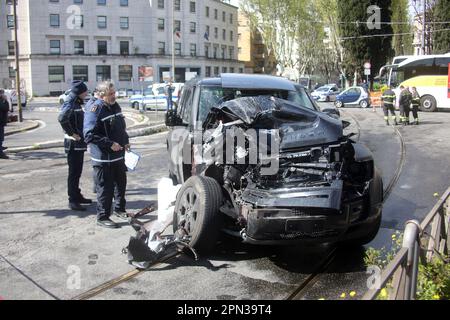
<point x="95" y="40"/>
<point x="252" y="50"/>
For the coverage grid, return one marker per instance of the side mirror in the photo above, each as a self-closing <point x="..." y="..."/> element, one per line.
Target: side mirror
<point x="172" y="119"/>
<point x="332" y="112"/>
<point x="345" y="124"/>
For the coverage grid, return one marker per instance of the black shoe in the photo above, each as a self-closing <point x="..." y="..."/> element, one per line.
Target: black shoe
<point x="75" y="206"/>
<point x="108" y="223"/>
<point x="3" y="156"/>
<point x="121" y="214"/>
<point x="83" y="200"/>
<point x="4" y="148"/>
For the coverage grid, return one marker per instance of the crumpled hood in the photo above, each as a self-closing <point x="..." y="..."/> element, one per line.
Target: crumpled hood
<point x="298" y="126"/>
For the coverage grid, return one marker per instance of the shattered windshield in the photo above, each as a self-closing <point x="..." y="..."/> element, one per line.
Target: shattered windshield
<point x="214" y="96"/>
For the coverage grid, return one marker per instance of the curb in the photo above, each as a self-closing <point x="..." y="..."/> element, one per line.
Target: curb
<point x="28" y="128"/>
<point x="58" y="143"/>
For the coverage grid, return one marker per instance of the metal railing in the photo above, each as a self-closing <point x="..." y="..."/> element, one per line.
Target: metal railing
<point x="404" y="268"/>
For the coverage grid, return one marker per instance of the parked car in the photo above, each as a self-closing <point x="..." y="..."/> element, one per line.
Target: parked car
<point x="154" y="97"/>
<point x="353" y="96"/>
<point x="326" y="188"/>
<point x="12" y="96"/>
<point x="62" y="98"/>
<point x="326" y="93"/>
<point x="121" y="93"/>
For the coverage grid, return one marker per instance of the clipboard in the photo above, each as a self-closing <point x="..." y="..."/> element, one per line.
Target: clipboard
<point x="131" y="160"/>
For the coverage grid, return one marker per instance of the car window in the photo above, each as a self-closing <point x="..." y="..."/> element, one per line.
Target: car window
<point x="211" y="96"/>
<point x="160" y="91"/>
<point x="186" y="103"/>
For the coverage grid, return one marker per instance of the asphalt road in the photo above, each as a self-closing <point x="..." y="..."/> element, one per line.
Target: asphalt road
<point x="45" y="248"/>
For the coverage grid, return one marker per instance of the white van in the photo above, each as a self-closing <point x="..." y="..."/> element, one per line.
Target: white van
<point x="12" y="97"/>
<point x="155" y="98"/>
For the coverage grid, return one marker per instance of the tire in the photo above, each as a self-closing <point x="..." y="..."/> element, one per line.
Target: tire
<point x="198" y="203"/>
<point x="428" y="104"/>
<point x="364" y="104"/>
<point x="135" y="105"/>
<point x="339" y="104"/>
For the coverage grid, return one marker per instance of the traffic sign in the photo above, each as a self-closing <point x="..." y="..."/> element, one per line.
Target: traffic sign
<point x="367" y="72"/>
<point x="367" y="65"/>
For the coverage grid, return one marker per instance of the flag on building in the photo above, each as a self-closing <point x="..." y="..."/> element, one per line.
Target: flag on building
<point x="206" y="36"/>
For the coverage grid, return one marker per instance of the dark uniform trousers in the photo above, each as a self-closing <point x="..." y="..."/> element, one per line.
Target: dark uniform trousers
<point x="75" y="160"/>
<point x="111" y="180"/>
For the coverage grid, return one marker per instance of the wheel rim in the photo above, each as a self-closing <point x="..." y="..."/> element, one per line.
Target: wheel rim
<point x="339" y="104"/>
<point x="364" y="104"/>
<point x="188" y="210"/>
<point x="427" y="104"/>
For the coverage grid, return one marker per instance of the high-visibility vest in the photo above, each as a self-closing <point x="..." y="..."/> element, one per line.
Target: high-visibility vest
<point x="388" y="97"/>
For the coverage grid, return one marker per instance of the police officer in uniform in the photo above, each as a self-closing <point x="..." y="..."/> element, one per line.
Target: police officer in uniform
<point x="71" y="119"/>
<point x="415" y="105"/>
<point x="105" y="132"/>
<point x="388" y="99"/>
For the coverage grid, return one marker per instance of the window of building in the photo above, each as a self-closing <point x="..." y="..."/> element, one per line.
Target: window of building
<point x="124" y="24"/>
<point x="224" y="16"/>
<point x="101" y="2"/>
<point x="160" y="24"/>
<point x="56" y="74"/>
<point x="207" y="12"/>
<point x="231" y="35"/>
<point x="12" y="72"/>
<point x="216" y="33"/>
<point x="193" y="27"/>
<point x="103" y="73"/>
<point x="193" y="50"/>
<point x="208" y="72"/>
<point x="224" y="34"/>
<point x="231" y="53"/>
<point x="11" y="48"/>
<point x="207" y="51"/>
<point x="216" y="71"/>
<point x="161" y="48"/>
<point x="102" y="47"/>
<point x="178" y="48"/>
<point x="231" y="18"/>
<point x="125" y="73"/>
<point x="78" y="46"/>
<point x="54" y="20"/>
<point x="216" y="14"/>
<point x="124" y="48"/>
<point x="224" y="49"/>
<point x="241" y="70"/>
<point x="231" y="70"/>
<point x="124" y="3"/>
<point x="101" y="22"/>
<point x="78" y="21"/>
<point x="177" y="25"/>
<point x="215" y="52"/>
<point x="55" y="47"/>
<point x="192" y="7"/>
<point x="80" y="73"/>
<point x="78" y="1"/>
<point x="160" y="4"/>
<point x="177" y="5"/>
<point x="10" y="21"/>
<point x="224" y="69"/>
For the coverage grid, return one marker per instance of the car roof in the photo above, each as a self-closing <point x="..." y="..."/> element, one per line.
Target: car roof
<point x="246" y="81"/>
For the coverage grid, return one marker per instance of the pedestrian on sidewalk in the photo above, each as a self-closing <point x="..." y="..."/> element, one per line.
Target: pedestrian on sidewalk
<point x="4" y="108"/>
<point x="169" y="89"/>
<point x="71" y="119"/>
<point x="388" y="101"/>
<point x="415" y="105"/>
<point x="105" y="133"/>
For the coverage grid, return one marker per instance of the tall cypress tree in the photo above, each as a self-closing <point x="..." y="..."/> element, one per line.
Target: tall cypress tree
<point x="363" y="44"/>
<point x="441" y="39"/>
<point x="402" y="43"/>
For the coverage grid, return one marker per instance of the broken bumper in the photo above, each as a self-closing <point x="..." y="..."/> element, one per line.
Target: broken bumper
<point x="304" y="215"/>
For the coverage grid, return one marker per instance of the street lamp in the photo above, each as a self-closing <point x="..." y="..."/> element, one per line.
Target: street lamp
<point x="16" y="52"/>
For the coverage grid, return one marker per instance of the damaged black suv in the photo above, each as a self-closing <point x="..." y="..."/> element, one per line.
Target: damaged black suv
<point x="294" y="178"/>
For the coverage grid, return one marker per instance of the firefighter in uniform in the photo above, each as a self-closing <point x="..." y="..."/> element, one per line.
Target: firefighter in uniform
<point x="388" y="99"/>
<point x="105" y="132"/>
<point x="415" y="105"/>
<point x="405" y="103"/>
<point x="71" y="119"/>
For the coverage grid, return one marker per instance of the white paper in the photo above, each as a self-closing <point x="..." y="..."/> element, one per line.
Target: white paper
<point x="131" y="160"/>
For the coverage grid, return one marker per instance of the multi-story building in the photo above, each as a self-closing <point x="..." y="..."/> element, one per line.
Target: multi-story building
<point x="95" y="40"/>
<point x="252" y="49"/>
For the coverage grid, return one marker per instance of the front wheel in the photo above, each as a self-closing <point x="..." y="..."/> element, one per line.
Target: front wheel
<point x="197" y="212"/>
<point x="135" y="105"/>
<point x="339" y="104"/>
<point x="428" y="104"/>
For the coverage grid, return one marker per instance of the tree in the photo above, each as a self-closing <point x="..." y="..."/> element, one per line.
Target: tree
<point x="402" y="43"/>
<point x="441" y="39"/>
<point x="362" y="39"/>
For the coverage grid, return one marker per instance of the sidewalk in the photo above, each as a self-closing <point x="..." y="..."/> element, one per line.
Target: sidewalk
<point x="18" y="127"/>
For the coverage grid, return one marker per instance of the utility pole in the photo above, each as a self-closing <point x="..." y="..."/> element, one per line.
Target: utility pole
<point x="16" y="51"/>
<point x="424" y="27"/>
<point x="173" y="41"/>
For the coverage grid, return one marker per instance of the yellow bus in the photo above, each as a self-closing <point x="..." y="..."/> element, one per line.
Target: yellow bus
<point x="429" y="74"/>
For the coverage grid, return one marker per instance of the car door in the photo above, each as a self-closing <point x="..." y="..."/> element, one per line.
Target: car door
<point x="352" y="95"/>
